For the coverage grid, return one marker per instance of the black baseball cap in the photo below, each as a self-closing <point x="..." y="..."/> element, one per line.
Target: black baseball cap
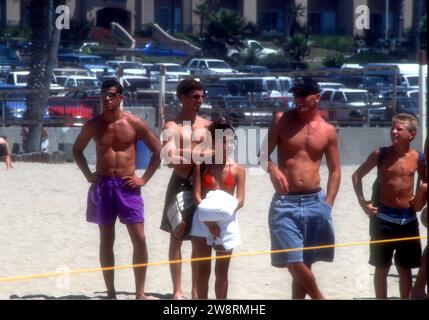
<point x="305" y="86"/>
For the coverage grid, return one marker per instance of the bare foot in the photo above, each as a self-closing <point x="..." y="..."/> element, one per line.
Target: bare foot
<point x="179" y="297"/>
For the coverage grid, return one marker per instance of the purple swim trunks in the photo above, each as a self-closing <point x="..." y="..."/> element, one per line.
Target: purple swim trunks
<point x="108" y="199"/>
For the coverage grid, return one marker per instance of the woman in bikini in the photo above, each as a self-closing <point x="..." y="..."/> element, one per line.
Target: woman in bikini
<point x="229" y="177"/>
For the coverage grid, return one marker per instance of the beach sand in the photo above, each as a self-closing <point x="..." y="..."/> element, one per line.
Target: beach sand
<point x="43" y="230"/>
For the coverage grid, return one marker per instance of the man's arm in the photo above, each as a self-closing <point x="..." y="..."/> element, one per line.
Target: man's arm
<point x="334" y="167"/>
<point x="78" y="147"/>
<point x="420" y="198"/>
<point x="371" y="162"/>
<point x="277" y="177"/>
<point x="153" y="144"/>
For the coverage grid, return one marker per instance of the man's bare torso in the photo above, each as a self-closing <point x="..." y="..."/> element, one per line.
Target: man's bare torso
<point x="185" y="131"/>
<point x="300" y="150"/>
<point x="115" y="146"/>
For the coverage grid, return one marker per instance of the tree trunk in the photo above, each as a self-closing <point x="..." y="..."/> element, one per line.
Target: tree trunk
<point x="44" y="44"/>
<point x="417" y="17"/>
<point x="287" y="17"/>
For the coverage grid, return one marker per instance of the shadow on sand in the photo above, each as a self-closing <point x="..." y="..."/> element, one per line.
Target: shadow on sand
<point x="102" y="295"/>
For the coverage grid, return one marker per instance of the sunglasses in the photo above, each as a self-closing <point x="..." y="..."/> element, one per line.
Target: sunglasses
<point x="197" y="96"/>
<point x="111" y="95"/>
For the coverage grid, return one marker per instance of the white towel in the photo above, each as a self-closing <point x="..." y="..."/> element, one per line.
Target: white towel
<point x="229" y="234"/>
<point x="218" y="205"/>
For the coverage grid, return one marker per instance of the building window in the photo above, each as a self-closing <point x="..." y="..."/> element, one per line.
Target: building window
<point x="271" y="21"/>
<point x="169" y="16"/>
<point x="323" y="22"/>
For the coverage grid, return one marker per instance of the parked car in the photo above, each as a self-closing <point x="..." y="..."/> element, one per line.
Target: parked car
<point x="253" y="69"/>
<point x="199" y="66"/>
<point x="173" y="71"/>
<point x="20" y="79"/>
<point x="347" y="106"/>
<point x="129" y="67"/>
<point x="82" y="82"/>
<point x="8" y="60"/>
<point x="75" y="108"/>
<point x="256" y="46"/>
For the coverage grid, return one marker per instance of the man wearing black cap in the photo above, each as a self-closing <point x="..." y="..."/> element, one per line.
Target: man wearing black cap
<point x="300" y="212"/>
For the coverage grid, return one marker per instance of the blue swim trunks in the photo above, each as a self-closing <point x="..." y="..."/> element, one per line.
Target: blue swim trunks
<point x="297" y="221"/>
<point x="108" y="199"/>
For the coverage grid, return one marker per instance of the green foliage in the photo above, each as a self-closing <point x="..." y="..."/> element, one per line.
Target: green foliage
<point x="334" y="61"/>
<point x="338" y="43"/>
<point x="297" y="48"/>
<point x="14" y="32"/>
<point x="103" y="36"/>
<point x="225" y="29"/>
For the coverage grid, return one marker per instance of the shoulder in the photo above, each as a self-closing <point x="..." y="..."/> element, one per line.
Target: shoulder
<point x="202" y="122"/>
<point x="170" y="125"/>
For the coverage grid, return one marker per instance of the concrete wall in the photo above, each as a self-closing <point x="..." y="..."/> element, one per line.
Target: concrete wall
<point x="62" y="138"/>
<point x="355" y="144"/>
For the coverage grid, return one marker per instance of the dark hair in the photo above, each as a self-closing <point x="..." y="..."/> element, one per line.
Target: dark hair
<point x="111" y="83"/>
<point x="219" y="126"/>
<point x="186" y="86"/>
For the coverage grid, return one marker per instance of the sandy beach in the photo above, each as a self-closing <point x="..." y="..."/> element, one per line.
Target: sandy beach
<point x="43" y="230"/>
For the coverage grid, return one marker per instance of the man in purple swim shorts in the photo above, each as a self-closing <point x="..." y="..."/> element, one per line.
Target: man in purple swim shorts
<point x="115" y="188"/>
<point x="108" y="199"/>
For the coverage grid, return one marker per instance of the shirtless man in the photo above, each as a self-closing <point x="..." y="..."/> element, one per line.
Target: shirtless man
<point x="115" y="189"/>
<point x="190" y="92"/>
<point x="391" y="215"/>
<point x="5" y="152"/>
<point x="300" y="212"/>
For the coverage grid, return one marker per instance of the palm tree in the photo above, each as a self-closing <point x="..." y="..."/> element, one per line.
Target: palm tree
<point x="225" y="29"/>
<point x="204" y="10"/>
<point x="42" y="57"/>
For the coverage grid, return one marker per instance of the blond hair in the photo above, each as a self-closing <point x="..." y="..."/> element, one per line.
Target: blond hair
<point x="410" y="122"/>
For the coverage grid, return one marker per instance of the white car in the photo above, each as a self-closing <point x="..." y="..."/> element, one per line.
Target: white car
<point x="20" y="79"/>
<point x="129" y="67"/>
<point x="173" y="71"/>
<point x="208" y="67"/>
<point x="82" y="82"/>
<point x="260" y="50"/>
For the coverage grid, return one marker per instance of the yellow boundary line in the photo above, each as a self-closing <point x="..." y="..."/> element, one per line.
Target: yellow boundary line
<point x="164" y="262"/>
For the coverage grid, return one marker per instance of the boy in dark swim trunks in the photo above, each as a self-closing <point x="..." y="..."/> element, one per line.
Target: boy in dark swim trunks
<point x="115" y="189"/>
<point x="392" y="216"/>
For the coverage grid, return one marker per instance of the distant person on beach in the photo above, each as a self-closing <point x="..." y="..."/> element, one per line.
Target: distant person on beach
<point x="300" y="212"/>
<point x="24" y="136"/>
<point x="390" y="213"/>
<point x="5" y="152"/>
<point x="115" y="188"/>
<point x="44" y="141"/>
<point x="190" y="93"/>
<point x="215" y="224"/>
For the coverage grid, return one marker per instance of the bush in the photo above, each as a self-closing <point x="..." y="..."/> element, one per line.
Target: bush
<point x="334" y="61"/>
<point x="338" y="43"/>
